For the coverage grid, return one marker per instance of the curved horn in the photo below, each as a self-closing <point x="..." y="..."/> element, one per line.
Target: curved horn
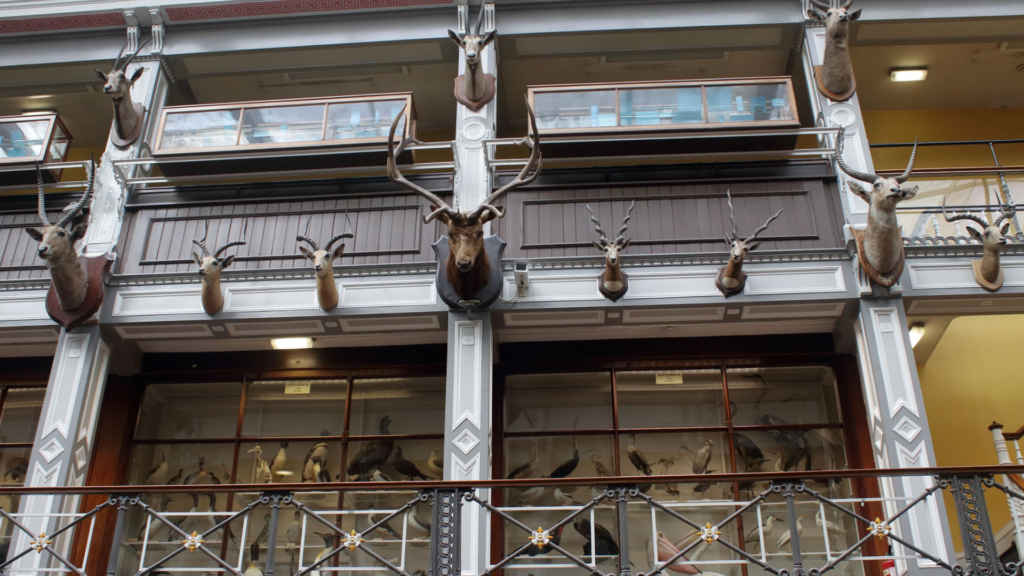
<point x="42" y="202"/>
<point x="821" y="5"/>
<point x="597" y="226"/>
<point x="346" y="234"/>
<point x="396" y="176"/>
<point x="764" y="226"/>
<point x="77" y="207"/>
<point x="847" y="4"/>
<point x="1007" y="212"/>
<point x="202" y="243"/>
<point x="245" y="228"/>
<point x="304" y="237"/>
<point x="479" y="19"/>
<point x="910" y="165"/>
<point x="622" y="231"/>
<point x="856" y="174"/>
<point x="120" y="54"/>
<point x="964" y="216"/>
<point x="732" y="215"/>
<point x="532" y="140"/>
<point x="132" y="57"/>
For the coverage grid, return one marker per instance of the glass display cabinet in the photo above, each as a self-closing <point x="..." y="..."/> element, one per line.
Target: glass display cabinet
<point x="651" y="108"/>
<point x="25" y="140"/>
<point x="187" y="133"/>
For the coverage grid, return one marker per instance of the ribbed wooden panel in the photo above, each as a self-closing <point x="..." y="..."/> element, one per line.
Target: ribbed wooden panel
<point x="18" y="257"/>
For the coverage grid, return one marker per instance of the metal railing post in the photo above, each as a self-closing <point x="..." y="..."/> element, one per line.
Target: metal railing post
<point x="794" y="531"/>
<point x="980" y="551"/>
<point x="621" y="501"/>
<point x="275" y="499"/>
<point x="122" y="501"/>
<point x="445" y="557"/>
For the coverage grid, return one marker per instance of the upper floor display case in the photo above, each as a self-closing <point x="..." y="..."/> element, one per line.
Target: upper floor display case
<point x="28" y="139"/>
<point x="643" y="109"/>
<point x="225" y="132"/>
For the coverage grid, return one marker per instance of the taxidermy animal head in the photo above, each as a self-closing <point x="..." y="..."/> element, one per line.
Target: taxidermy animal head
<point x="613" y="281"/>
<point x="210" y="267"/>
<point x="738" y="249"/>
<point x="837" y="19"/>
<point x="836" y="68"/>
<point x="472" y="41"/>
<point x="467" y="267"/>
<point x="322" y="258"/>
<point x="118" y="85"/>
<point x="992" y="236"/>
<point x="57" y="244"/>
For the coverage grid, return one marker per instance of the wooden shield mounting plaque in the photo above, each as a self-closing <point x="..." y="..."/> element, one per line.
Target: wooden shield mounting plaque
<point x="730" y="291"/>
<point x="96" y="270"/>
<point x="463" y="98"/>
<point x="485" y="296"/>
<point x="140" y="113"/>
<point x="884" y="280"/>
<point x="990" y="286"/>
<point x="613" y="296"/>
<point x="832" y="95"/>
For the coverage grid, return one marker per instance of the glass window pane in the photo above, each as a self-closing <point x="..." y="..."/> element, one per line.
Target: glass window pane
<point x="311" y="408"/>
<point x="780" y="396"/>
<point x="748" y="103"/>
<point x="295" y="461"/>
<point x="413" y="405"/>
<point x="544" y="402"/>
<point x="577" y="109"/>
<point x="59" y="145"/>
<point x="656" y="106"/>
<point x="556" y="456"/>
<point x="187" y="411"/>
<point x="788" y="449"/>
<point x="15" y="467"/>
<point x="200" y="129"/>
<point x="405" y="459"/>
<point x="353" y="120"/>
<point x="23" y="139"/>
<point x="181" y="464"/>
<point x="282" y="124"/>
<point x="21" y="414"/>
<point x="644" y="403"/>
<point x="675" y="453"/>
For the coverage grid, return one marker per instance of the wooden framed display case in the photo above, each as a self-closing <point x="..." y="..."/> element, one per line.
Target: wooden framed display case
<point x="229" y="130"/>
<point x="25" y="140"/>
<point x="645" y="109"/>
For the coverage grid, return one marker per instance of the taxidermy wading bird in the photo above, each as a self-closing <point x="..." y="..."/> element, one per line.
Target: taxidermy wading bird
<point x="543" y="549"/>
<point x="754" y="536"/>
<point x="154" y="524"/>
<point x="565" y="497"/>
<point x="314" y="467"/>
<point x="748" y="451"/>
<point x="703" y="457"/>
<point x="604" y="545"/>
<point x="525" y="470"/>
<point x="435" y="464"/>
<point x="158" y="472"/>
<point x="637" y="457"/>
<point x="833" y="529"/>
<point x="785" y="539"/>
<point x="419" y="522"/>
<point x="569" y="466"/>
<point x="277" y="464"/>
<point x="384" y="529"/>
<point x="666" y="463"/>
<point x="294" y="536"/>
<point x="405" y="467"/>
<point x="373" y="455"/>
<point x="263" y="473"/>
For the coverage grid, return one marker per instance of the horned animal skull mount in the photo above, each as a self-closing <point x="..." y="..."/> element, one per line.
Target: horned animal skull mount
<point x="987" y="272"/>
<point x="613" y="282"/>
<point x="118" y="86"/>
<point x="836" y="72"/>
<point x="731" y="278"/>
<point x="323" y="258"/>
<point x="474" y="89"/>
<point x="210" y="268"/>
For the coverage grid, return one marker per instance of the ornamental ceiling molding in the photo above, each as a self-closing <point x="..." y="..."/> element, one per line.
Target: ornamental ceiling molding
<point x="28" y="25"/>
<point x="281" y="7"/>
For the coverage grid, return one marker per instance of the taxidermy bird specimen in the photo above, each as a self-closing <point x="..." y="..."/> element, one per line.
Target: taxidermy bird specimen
<point x="703" y="487"/>
<point x="604" y="545"/>
<point x="379" y="476"/>
<point x="263" y="474"/>
<point x="599" y="468"/>
<point x="785" y="539"/>
<point x="405" y="467"/>
<point x="748" y="451"/>
<point x="637" y="457"/>
<point x="419" y="522"/>
<point x="277" y="464"/>
<point x="384" y="529"/>
<point x="373" y="455"/>
<point x="154" y="524"/>
<point x="754" y="536"/>
<point x="703" y="457"/>
<point x="314" y="467"/>
<point x="528" y="497"/>
<point x="328" y="539"/>
<point x="293" y="537"/>
<point x="254" y="558"/>
<point x="667" y="550"/>
<point x="556" y="539"/>
<point x="435" y="464"/>
<point x="665" y="464"/>
<point x="526" y="469"/>
<point x="565" y="497"/>
<point x="569" y="466"/>
<point x="158" y="472"/>
<point x="16" y="469"/>
<point x="264" y="536"/>
<point x="176" y="479"/>
<point x="833" y="529"/>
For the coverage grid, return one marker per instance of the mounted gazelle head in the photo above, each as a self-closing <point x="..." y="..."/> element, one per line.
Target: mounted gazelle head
<point x="467" y="268"/>
<point x="992" y="237"/>
<point x="613" y="280"/>
<point x="322" y="258"/>
<point x="738" y="249"/>
<point x="118" y="85"/>
<point x="472" y="41"/>
<point x="837" y="19"/>
<point x="210" y="267"/>
<point x="885" y="193"/>
<point x="57" y="244"/>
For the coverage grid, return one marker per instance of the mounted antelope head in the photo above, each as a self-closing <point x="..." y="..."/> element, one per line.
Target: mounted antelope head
<point x="475" y="83"/>
<point x="732" y="278"/>
<point x="882" y="242"/>
<point x="993" y="237"/>
<point x="467" y="267"/>
<point x="57" y="245"/>
<point x="836" y="69"/>
<point x="322" y="258"/>
<point x="210" y="267"/>
<point x="118" y="86"/>
<point x="612" y="282"/>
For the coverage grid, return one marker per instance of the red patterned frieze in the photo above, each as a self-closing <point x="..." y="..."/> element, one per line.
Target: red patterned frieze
<point x="244" y="9"/>
<point x="62" y="22"/>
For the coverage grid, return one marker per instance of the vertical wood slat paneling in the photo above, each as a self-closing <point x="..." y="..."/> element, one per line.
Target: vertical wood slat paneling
<point x="18" y="257"/>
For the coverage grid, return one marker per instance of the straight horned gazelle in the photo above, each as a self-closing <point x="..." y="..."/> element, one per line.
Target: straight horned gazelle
<point x="731" y="278"/>
<point x="613" y="282"/>
<point x="118" y="86"/>
<point x="475" y="88"/>
<point x="987" y="271"/>
<point x="836" y="68"/>
<point x="210" y="267"/>
<point x="323" y="258"/>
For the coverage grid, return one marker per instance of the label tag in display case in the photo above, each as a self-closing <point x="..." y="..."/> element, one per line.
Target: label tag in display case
<point x="668" y="377"/>
<point x="296" y="388"/>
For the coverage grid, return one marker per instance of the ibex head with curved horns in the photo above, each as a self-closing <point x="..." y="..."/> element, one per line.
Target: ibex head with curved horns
<point x="57" y="244"/>
<point x="992" y="237"/>
<point x="467" y="267"/>
<point x="210" y="267"/>
<point x="836" y="68"/>
<point x="117" y="85"/>
<point x="323" y="258"/>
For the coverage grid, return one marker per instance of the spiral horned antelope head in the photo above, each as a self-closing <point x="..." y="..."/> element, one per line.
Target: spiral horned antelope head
<point x="57" y="245"/>
<point x="118" y="86"/>
<point x="210" y="267"/>
<point x="467" y="267"/>
<point x="473" y="43"/>
<point x="836" y="68"/>
<point x="323" y="258"/>
<point x="732" y="276"/>
<point x="613" y="281"/>
<point x="883" y="246"/>
<point x="992" y="237"/>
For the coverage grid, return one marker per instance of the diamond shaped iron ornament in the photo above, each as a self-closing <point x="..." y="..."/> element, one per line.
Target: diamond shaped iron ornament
<point x="352" y="540"/>
<point x="40" y="543"/>
<point x="193" y="541"/>
<point x="540" y="537"/>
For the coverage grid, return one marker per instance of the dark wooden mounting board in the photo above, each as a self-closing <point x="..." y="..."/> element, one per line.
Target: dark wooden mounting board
<point x="490" y="87"/>
<point x="726" y="290"/>
<point x="484" y="297"/>
<point x="613" y="296"/>
<point x="832" y="95"/>
<point x="96" y="270"/>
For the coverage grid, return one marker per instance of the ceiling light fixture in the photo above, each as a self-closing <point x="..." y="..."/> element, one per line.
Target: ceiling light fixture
<point x="908" y="74"/>
<point x="291" y="343"/>
<point x="916" y="333"/>
<point x="37" y="112"/>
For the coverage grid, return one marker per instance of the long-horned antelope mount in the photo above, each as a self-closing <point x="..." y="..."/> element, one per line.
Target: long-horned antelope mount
<point x="468" y="268"/>
<point x="474" y="89"/>
<point x="835" y="75"/>
<point x="118" y="86"/>
<point x="987" y="272"/>
<point x="731" y="277"/>
<point x="323" y="258"/>
<point x="613" y="282"/>
<point x="880" y="245"/>
<point x="210" y="267"/>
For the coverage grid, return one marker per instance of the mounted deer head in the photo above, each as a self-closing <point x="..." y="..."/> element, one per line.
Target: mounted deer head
<point x="118" y="86"/>
<point x="467" y="267"/>
<point x="57" y="245"/>
<point x="992" y="237"/>
<point x="210" y="267"/>
<point x="473" y="43"/>
<point x="322" y="258"/>
<point x="731" y="278"/>
<point x="613" y="280"/>
<point x="836" y="69"/>
<point x="883" y="245"/>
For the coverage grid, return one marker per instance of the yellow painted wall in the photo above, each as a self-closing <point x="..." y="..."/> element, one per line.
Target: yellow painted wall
<point x="972" y="378"/>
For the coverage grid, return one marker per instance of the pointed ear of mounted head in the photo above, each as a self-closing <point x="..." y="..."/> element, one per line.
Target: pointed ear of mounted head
<point x="101" y="74"/>
<point x="488" y="38"/>
<point x="456" y="37"/>
<point x="197" y="258"/>
<point x="626" y="243"/>
<point x="78" y="232"/>
<point x="338" y="251"/>
<point x="974" y="233"/>
<point x="598" y="246"/>
<point x="305" y="252"/>
<point x="227" y="260"/>
<point x="854" y="15"/>
<point x="816" y="14"/>
<point x="908" y="192"/>
<point x="859" y="190"/>
<point x="753" y="246"/>
<point x="136" y="75"/>
<point x="36" y="235"/>
<point x="1005" y="228"/>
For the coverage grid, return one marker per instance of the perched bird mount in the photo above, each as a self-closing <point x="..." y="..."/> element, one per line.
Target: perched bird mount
<point x="987" y="272"/>
<point x="475" y="88"/>
<point x="835" y="75"/>
<point x="731" y="278"/>
<point x="323" y="258"/>
<point x="210" y="267"/>
<point x="613" y="282"/>
<point x="117" y="85"/>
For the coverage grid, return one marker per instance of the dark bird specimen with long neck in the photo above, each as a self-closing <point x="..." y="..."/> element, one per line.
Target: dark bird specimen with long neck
<point x="118" y="86"/>
<point x="373" y="454"/>
<point x="468" y="267"/>
<point x="603" y="544"/>
<point x="569" y="466"/>
<point x="405" y="467"/>
<point x="836" y="69"/>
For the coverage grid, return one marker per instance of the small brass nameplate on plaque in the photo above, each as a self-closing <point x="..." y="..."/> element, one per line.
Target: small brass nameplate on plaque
<point x="668" y="377"/>
<point x="297" y="388"/>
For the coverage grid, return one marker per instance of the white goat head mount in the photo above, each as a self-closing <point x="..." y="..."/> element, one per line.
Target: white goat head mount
<point x="613" y="282"/>
<point x="836" y="68"/>
<point x="987" y="271"/>
<point x="880" y="245"/>
<point x="210" y="268"/>
<point x="118" y="86"/>
<point x="57" y="244"/>
<point x="323" y="258"/>
<point x="731" y="278"/>
<point x="475" y="88"/>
